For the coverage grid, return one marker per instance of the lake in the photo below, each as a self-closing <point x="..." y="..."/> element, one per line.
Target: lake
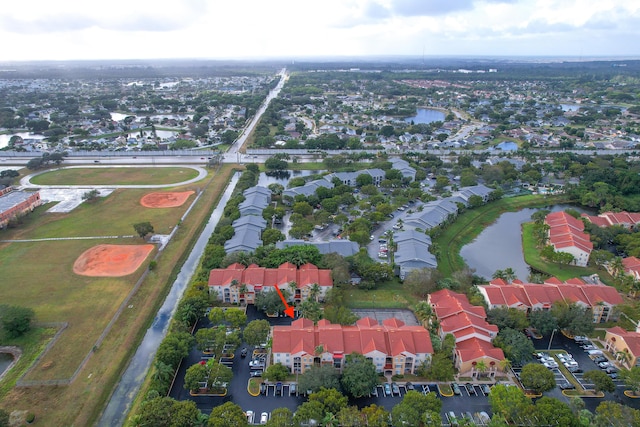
<point x="426" y="116"/>
<point x="4" y="138"/>
<point x="283" y="177"/>
<point x="499" y="246"/>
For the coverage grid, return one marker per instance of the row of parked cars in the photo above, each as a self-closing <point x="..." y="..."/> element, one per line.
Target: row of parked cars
<point x="251" y="417"/>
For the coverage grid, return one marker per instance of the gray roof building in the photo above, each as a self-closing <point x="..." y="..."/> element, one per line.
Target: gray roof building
<point x="433" y="214"/>
<point x="256" y="199"/>
<point x="404" y="168"/>
<point x="308" y="189"/>
<point x="341" y="247"/>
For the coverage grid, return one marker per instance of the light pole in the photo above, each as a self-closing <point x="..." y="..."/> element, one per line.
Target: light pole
<point x="551" y="339"/>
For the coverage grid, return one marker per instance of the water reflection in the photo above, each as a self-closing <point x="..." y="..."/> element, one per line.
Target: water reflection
<point x="5" y="361"/>
<point x="499" y="246"/>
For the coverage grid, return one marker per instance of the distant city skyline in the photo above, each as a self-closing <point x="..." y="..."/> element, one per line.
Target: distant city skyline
<point x="294" y="29"/>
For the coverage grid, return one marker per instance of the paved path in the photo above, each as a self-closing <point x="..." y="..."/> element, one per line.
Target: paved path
<point x="70" y="196"/>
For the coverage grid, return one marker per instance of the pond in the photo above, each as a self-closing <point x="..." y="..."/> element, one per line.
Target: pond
<point x="5" y="360"/>
<point x="6" y="137"/>
<point x="499" y="246"/>
<point x="283" y="177"/>
<point x="426" y="116"/>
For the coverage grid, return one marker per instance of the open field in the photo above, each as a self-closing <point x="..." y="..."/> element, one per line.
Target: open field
<point x="470" y="224"/>
<point x="115" y="176"/>
<point x="39" y="275"/>
<point x="390" y="294"/>
<point x="110" y="216"/>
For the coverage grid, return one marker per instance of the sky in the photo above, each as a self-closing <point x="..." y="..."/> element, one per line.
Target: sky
<point x="290" y="29"/>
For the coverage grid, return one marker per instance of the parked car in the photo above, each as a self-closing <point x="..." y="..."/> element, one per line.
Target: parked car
<point x="580" y="339"/>
<point x="566" y="386"/>
<point x="255" y="374"/>
<point x="550" y="365"/>
<point x="374" y="391"/>
<point x="263" y="388"/>
<point x="589" y="347"/>
<point x="279" y="389"/>
<point x="264" y="417"/>
<point x="293" y="390"/>
<point x="605" y="365"/>
<point x="395" y="389"/>
<point x="599" y="359"/>
<point x="250" y="416"/>
<point x="595" y="352"/>
<point x="470" y="388"/>
<point x="456" y="389"/>
<point x="613" y="375"/>
<point x="387" y="389"/>
<point x="409" y="386"/>
<point x="485" y="389"/>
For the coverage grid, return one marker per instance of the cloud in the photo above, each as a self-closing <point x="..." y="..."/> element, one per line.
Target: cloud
<point x="117" y="15"/>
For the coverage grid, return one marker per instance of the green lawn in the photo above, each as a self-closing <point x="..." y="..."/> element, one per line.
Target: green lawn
<point x="115" y="176"/>
<point x="561" y="271"/>
<point x="389" y="294"/>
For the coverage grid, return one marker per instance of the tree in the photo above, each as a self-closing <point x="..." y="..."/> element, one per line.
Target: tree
<point x="331" y="399"/>
<point x="441" y="368"/>
<point x="195" y="376"/>
<point x="91" y="195"/>
<point x="271" y="236"/>
<point x="236" y="317"/>
<point x="270" y="302"/>
<point x="549" y="411"/>
<point x="319" y="376"/>
<point x="543" y="321"/>
<point x="143" y="228"/>
<point x="415" y="407"/>
<point x="15" y="321"/>
<point x="375" y="416"/>
<point x="256" y="332"/>
<point x="167" y="412"/>
<point x="422" y="281"/>
<point x="359" y="375"/>
<point x="632" y="378"/>
<point x="516" y="346"/>
<point x="281" y="417"/>
<point x="600" y="380"/>
<point x="509" y="402"/>
<point x="227" y="415"/>
<point x="173" y="348"/>
<point x="350" y="416"/>
<point x="538" y="378"/>
<point x="216" y="315"/>
<point x="4" y="418"/>
<point x="307" y="412"/>
<point x="276" y="372"/>
<point x="506" y="317"/>
<point x="574" y="319"/>
<point x="609" y="413"/>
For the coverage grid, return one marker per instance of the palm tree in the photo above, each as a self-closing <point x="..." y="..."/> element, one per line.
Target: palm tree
<point x="293" y="287"/>
<point x="481" y="368"/>
<point x="509" y="274"/>
<point x="163" y="372"/>
<point x="616" y="267"/>
<point x="504" y="364"/>
<point x="314" y="291"/>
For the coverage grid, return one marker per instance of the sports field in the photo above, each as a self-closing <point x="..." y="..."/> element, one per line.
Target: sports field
<point x="40" y="275"/>
<point x="115" y="176"/>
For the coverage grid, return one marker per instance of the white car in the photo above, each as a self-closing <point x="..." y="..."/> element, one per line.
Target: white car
<point x="250" y="416"/>
<point x="550" y="365"/>
<point x="264" y="417"/>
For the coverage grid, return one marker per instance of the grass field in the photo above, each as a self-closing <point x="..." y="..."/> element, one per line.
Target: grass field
<point x="39" y="275"/>
<point x="390" y="294"/>
<point x="115" y="176"/>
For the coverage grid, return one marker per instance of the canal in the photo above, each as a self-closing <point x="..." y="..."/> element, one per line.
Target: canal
<point x="129" y="385"/>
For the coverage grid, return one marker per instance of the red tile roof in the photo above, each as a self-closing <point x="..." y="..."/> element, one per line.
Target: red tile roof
<point x="631" y="338"/>
<point x="286" y="273"/>
<point x="607" y="219"/>
<point x="631" y="265"/>
<point x="566" y="231"/>
<point x="532" y="295"/>
<point x="391" y="338"/>
<point x="473" y="349"/>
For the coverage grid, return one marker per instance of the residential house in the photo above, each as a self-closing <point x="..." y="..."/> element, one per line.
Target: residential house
<point x="340" y="246"/>
<point x="403" y="166"/>
<point x="239" y="284"/>
<point x="255" y="200"/>
<point x="349" y="178"/>
<point x="412" y="252"/>
<point x="624" y="345"/>
<point x="632" y="266"/>
<point x="247" y="236"/>
<point x="473" y="334"/>
<point x="566" y="234"/>
<point x="393" y="347"/>
<point x="433" y="214"/>
<point x="601" y="299"/>
<point x="306" y="190"/>
<point x="607" y="219"/>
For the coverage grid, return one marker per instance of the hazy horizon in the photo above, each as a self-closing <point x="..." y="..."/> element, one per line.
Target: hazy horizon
<point x="40" y="30"/>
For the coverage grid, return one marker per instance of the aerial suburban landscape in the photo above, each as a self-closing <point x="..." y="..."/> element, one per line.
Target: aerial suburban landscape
<point x="405" y="242"/>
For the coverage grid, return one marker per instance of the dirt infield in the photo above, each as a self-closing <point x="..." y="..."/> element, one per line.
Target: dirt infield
<point x="111" y="260"/>
<point x="165" y="199"/>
